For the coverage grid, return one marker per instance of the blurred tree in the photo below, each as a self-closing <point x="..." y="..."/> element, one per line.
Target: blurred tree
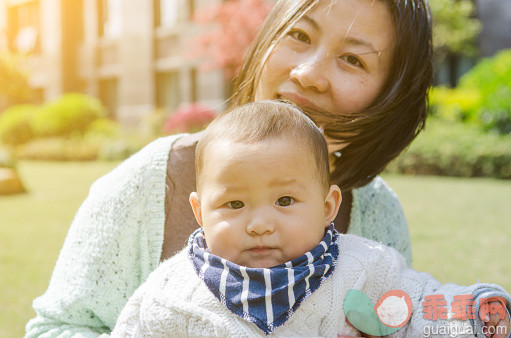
<point x="229" y="28"/>
<point x="14" y="87"/>
<point x="454" y="27"/>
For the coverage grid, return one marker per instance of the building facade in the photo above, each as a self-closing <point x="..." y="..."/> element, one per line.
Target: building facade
<point x="131" y="54"/>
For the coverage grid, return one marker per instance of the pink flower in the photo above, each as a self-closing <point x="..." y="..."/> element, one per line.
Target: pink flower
<point x="189" y="118"/>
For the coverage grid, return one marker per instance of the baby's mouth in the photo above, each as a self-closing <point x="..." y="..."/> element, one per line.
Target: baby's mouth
<point x="260" y="249"/>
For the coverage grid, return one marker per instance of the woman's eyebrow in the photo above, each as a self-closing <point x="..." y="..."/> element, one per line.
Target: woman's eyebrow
<point x="360" y="42"/>
<point x="311" y="21"/>
<point x="347" y="40"/>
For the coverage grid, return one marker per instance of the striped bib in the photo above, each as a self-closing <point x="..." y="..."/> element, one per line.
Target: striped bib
<point x="266" y="297"/>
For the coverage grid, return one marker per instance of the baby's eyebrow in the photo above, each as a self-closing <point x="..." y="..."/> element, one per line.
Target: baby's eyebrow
<point x="287" y="182"/>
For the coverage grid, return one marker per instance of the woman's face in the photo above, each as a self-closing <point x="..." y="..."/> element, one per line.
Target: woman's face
<point x="336" y="58"/>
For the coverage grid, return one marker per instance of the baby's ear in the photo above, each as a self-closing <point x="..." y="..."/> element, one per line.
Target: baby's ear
<point x="195" y="203"/>
<point x="332" y="203"/>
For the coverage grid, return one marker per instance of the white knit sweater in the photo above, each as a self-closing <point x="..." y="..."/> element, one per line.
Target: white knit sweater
<point x="115" y="242"/>
<point x="174" y="302"/>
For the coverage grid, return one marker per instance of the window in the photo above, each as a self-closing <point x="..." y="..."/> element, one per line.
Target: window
<point x="109" y="18"/>
<point x="168" y="13"/>
<point x="167" y="91"/>
<point x="23" y="27"/>
<point x="108" y="95"/>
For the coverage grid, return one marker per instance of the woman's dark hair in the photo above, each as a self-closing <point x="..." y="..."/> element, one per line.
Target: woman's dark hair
<point x="378" y="134"/>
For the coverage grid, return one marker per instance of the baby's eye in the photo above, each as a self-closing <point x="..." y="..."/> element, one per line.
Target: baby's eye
<point x="284" y="201"/>
<point x="300" y="36"/>
<point x="352" y="60"/>
<point x="235" y="204"/>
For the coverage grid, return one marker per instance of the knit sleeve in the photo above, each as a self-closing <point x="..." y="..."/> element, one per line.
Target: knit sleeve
<point x="113" y="243"/>
<point x="377" y="214"/>
<point x="436" y="316"/>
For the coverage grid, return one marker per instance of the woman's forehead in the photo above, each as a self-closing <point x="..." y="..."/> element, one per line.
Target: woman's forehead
<point x="363" y="23"/>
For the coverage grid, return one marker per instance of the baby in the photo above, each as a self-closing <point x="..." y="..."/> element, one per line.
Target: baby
<point x="267" y="259"/>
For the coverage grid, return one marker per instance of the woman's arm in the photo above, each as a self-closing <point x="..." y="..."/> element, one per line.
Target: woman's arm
<point x="377" y="214"/>
<point x="113" y="244"/>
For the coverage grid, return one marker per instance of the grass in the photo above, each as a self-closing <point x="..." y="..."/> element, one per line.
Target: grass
<point x="32" y="230"/>
<point x="460" y="229"/>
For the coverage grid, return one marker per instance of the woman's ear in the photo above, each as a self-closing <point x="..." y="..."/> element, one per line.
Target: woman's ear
<point x="332" y="204"/>
<point x="195" y="203"/>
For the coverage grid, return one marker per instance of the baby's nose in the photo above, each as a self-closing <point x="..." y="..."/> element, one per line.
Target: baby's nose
<point x="260" y="223"/>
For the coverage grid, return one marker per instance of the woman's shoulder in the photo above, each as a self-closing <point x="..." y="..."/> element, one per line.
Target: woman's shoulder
<point x="376" y="201"/>
<point x="150" y="161"/>
<point x="376" y="189"/>
<point x="181" y="160"/>
<point x="378" y="215"/>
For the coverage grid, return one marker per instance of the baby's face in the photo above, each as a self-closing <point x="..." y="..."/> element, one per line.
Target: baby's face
<point x="261" y="204"/>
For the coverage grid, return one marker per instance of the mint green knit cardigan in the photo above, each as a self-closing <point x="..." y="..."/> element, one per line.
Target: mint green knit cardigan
<point x="115" y="242"/>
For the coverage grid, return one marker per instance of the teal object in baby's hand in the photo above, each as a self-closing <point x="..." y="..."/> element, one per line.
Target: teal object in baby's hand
<point x="391" y="313"/>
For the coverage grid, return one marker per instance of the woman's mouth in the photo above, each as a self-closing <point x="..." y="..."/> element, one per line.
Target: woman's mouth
<point x="298" y="100"/>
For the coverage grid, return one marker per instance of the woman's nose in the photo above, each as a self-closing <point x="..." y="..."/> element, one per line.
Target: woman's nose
<point x="260" y="223"/>
<point x="312" y="73"/>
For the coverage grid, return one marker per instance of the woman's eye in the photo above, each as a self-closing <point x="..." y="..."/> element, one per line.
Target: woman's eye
<point x="235" y="204"/>
<point x="284" y="201"/>
<point x="353" y="60"/>
<point x="300" y="36"/>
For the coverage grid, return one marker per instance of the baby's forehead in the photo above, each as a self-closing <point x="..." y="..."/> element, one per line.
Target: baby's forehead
<point x="232" y="149"/>
<point x="266" y="154"/>
<point x="293" y="141"/>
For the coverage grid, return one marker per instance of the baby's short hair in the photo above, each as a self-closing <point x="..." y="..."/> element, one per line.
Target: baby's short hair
<point x="263" y="120"/>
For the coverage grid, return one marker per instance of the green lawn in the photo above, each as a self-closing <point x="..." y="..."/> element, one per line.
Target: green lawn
<point x="460" y="227"/>
<point x="32" y="229"/>
<point x="460" y="230"/>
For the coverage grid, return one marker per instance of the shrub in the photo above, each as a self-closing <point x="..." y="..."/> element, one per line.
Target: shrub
<point x="483" y="96"/>
<point x="71" y="114"/>
<point x="492" y="78"/>
<point x="58" y="149"/>
<point x="15" y="125"/>
<point x="189" y="118"/>
<point x="456" y="149"/>
<point x="119" y="149"/>
<point x="455" y="104"/>
<point x="102" y="129"/>
<point x="153" y="124"/>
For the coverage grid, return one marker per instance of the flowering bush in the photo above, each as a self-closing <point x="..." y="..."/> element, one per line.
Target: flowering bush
<point x="189" y="118"/>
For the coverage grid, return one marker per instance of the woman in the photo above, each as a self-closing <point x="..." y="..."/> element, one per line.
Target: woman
<point x="359" y="68"/>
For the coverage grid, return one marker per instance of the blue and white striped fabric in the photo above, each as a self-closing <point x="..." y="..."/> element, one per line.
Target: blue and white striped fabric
<point x="265" y="297"/>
